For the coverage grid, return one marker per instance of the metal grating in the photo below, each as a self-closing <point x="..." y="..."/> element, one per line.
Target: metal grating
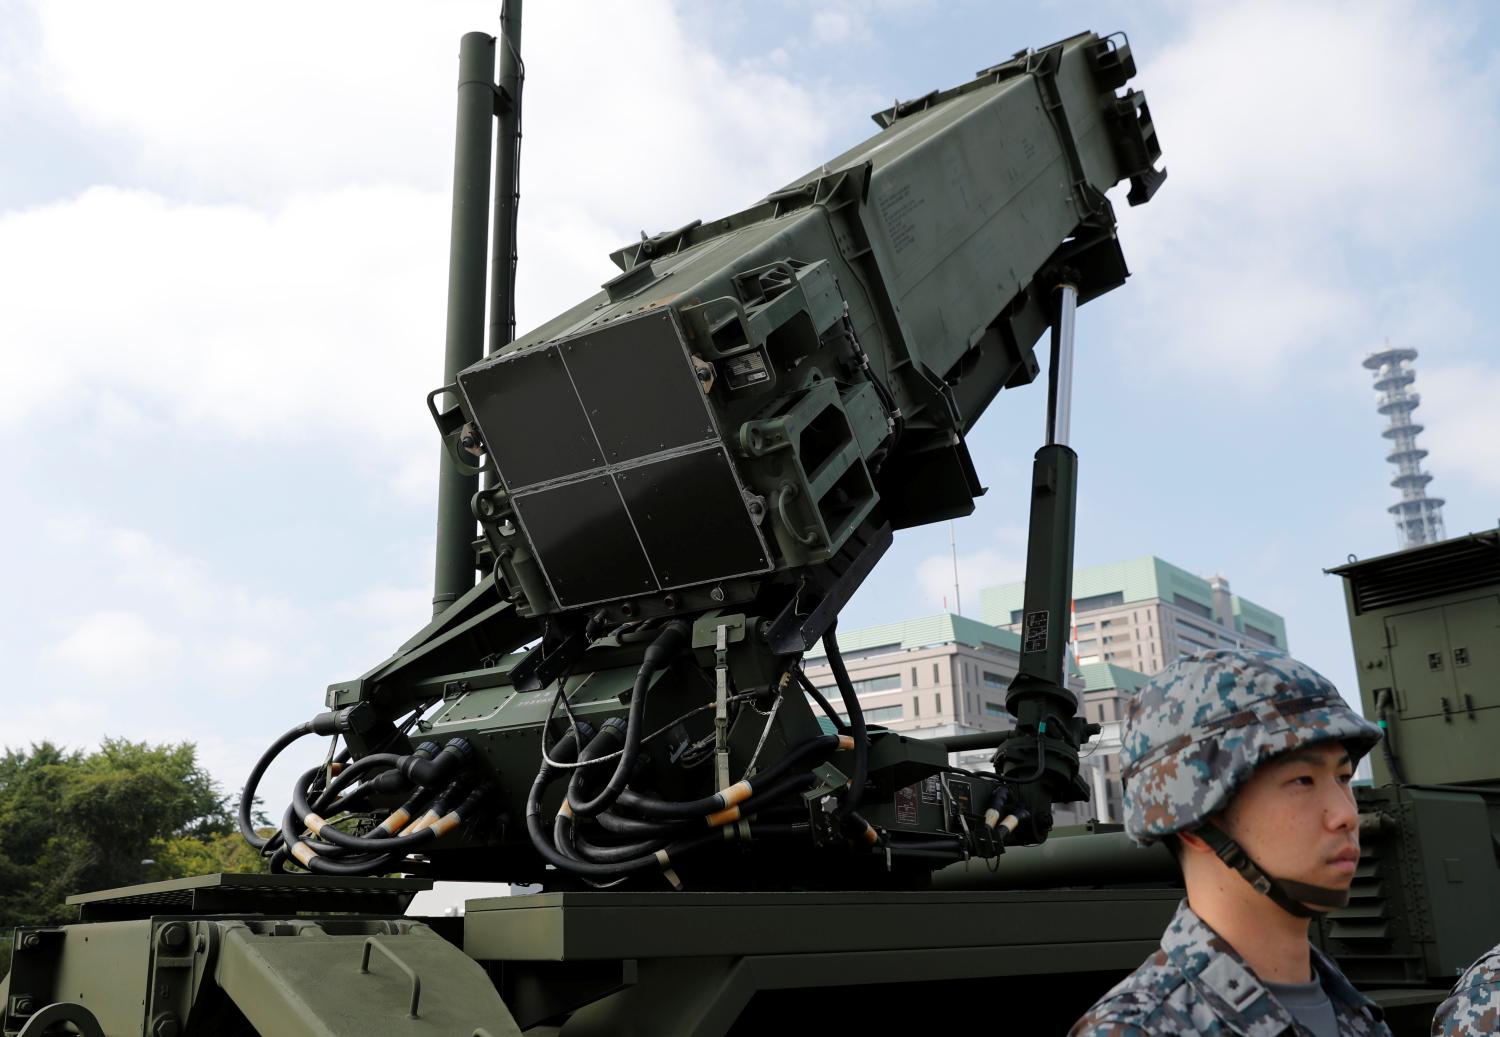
<point x="1452" y="567"/>
<point x="254" y="894"/>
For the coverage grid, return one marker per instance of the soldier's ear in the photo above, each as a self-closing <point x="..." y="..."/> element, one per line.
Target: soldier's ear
<point x="1191" y="842"/>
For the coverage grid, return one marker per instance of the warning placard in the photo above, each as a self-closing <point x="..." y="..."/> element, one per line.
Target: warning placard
<point x="1034" y="632"/>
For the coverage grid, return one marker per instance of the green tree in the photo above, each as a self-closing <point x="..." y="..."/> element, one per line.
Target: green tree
<point x="72" y="821"/>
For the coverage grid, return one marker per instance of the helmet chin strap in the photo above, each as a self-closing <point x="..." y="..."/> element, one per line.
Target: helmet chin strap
<point x="1289" y="895"/>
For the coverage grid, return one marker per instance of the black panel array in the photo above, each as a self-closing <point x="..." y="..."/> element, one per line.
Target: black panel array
<point x="1451" y="567"/>
<point x="607" y="447"/>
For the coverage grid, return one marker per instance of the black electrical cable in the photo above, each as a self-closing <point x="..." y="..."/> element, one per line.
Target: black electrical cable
<point x="673" y="639"/>
<point x="614" y="824"/>
<point x="662" y="809"/>
<point x="609" y="735"/>
<point x="851" y="799"/>
<point x="1041" y="751"/>
<point x="247" y="796"/>
<point x="567" y="838"/>
<point x="317" y="862"/>
<point x="816" y="694"/>
<point x="542" y="841"/>
<point x="324" y="723"/>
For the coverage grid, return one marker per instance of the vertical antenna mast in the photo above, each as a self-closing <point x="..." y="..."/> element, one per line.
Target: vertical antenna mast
<point x="1419" y="518"/>
<point x="958" y="601"/>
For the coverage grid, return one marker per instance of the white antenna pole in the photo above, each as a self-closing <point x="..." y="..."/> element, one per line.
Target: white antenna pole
<point x="958" y="601"/>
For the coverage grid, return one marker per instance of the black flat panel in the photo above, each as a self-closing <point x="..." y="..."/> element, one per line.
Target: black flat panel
<point x="692" y="519"/>
<point x="638" y="387"/>
<point x="585" y="541"/>
<point x="531" y="419"/>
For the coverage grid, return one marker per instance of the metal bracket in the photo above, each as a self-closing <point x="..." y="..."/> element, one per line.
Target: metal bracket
<point x="721" y="706"/>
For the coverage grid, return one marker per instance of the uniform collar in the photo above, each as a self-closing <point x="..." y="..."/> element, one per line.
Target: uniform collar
<point x="1221" y="977"/>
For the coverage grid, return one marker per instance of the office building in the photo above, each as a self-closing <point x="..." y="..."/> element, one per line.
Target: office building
<point x="1144" y="613"/>
<point x="1106" y="689"/>
<point x="934" y="676"/>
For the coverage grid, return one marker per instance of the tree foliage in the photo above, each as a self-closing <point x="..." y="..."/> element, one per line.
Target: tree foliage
<point x="73" y="821"/>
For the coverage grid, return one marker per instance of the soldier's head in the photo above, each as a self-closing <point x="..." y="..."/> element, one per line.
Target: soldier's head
<point x="1244" y="758"/>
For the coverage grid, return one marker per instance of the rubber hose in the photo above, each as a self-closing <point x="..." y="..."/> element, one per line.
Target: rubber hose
<point x="247" y="796"/>
<point x="856" y="791"/>
<point x="816" y="694"/>
<point x="672" y="640"/>
<point x="662" y="809"/>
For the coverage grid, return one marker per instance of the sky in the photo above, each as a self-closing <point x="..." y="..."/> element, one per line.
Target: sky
<point x="223" y="248"/>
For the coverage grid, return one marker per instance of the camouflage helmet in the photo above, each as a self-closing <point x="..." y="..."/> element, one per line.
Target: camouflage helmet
<point x="1196" y="732"/>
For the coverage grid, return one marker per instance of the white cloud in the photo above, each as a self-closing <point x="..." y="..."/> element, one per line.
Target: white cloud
<point x="1003" y="560"/>
<point x="1462" y="422"/>
<point x="117" y="646"/>
<point x="301" y="298"/>
<point x="1315" y="150"/>
<point x="838" y="24"/>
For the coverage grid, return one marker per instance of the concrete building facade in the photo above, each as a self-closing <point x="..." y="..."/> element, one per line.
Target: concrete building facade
<point x="934" y="676"/>
<point x="1144" y="613"/>
<point x="1107" y="688"/>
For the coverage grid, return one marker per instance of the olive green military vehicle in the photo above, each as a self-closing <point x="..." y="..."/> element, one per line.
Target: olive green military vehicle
<point x="650" y="507"/>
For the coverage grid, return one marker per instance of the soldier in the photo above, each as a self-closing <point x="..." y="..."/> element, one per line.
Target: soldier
<point x="1240" y="761"/>
<point x="1474" y="1005"/>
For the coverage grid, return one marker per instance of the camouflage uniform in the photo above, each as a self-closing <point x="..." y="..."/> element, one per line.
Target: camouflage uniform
<point x="1474" y="1006"/>
<point x="1197" y="985"/>
<point x="1193" y="735"/>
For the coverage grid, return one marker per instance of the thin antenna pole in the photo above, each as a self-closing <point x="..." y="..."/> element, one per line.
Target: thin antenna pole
<point x="958" y="601"/>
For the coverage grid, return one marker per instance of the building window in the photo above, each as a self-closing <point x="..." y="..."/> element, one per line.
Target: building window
<point x="994" y="709"/>
<point x="1085" y="628"/>
<point x="1091" y="604"/>
<point x="1106" y="623"/>
<point x="937" y="704"/>
<point x="994" y="680"/>
<point x="935" y="678"/>
<point x="878" y="715"/>
<point x="1015" y="615"/>
<point x="916" y="706"/>
<point x="1087" y="645"/>
<point x="1208" y="635"/>
<point x="1197" y="608"/>
<point x="868" y="686"/>
<point x="1262" y="635"/>
<point x="913" y="676"/>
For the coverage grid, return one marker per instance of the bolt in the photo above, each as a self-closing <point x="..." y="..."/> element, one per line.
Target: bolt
<point x="31" y="941"/>
<point x="166" y="1025"/>
<point x="174" y="935"/>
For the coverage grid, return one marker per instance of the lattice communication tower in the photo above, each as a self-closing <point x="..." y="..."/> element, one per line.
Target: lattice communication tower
<point x="1419" y="518"/>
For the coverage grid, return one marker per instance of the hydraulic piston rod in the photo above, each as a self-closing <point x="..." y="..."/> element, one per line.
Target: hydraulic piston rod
<point x="1042" y="758"/>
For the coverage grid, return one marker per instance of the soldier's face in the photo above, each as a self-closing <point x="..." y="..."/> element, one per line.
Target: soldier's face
<point x="1296" y="817"/>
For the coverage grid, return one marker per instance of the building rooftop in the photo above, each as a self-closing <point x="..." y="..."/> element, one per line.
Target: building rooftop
<point x="1108" y="676"/>
<point x="923" y="632"/>
<point x="927" y="632"/>
<point x="1137" y="579"/>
